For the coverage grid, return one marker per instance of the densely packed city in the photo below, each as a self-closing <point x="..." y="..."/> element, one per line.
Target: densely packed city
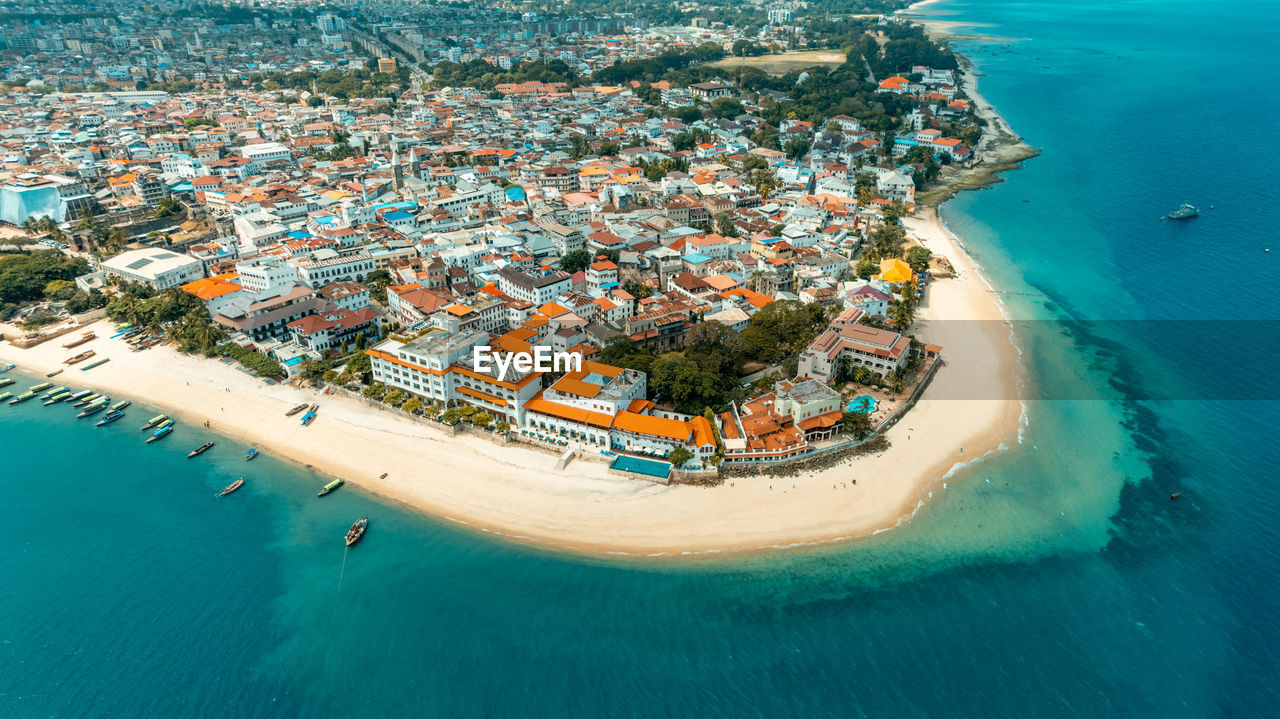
<point x="705" y="208"/>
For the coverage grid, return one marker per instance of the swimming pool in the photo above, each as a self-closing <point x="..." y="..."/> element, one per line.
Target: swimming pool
<point x="293" y="361"/>
<point x="862" y="403"/>
<point x="641" y="466"/>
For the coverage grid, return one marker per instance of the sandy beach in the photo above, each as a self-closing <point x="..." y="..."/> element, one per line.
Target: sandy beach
<point x="517" y="492"/>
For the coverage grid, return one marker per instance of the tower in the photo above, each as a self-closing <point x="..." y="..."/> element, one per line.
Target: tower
<point x="397" y="172"/>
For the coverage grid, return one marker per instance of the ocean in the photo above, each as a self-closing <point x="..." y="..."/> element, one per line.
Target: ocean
<point x="1053" y="579"/>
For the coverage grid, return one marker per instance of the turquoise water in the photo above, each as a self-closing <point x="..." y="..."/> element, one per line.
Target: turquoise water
<point x="1053" y="580"/>
<point x="650" y="467"/>
<point x="862" y="403"/>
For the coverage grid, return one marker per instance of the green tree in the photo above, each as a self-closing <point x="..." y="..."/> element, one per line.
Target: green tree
<point x="678" y="456"/>
<point x="413" y="404"/>
<point x="167" y="206"/>
<point x="575" y="261"/>
<point x="726" y="107"/>
<point x="857" y="424"/>
<point x="918" y="257"/>
<point x="797" y="148"/>
<point x="725" y="226"/>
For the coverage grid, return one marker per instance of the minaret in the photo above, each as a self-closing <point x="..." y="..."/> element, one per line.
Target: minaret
<point x="397" y="172"/>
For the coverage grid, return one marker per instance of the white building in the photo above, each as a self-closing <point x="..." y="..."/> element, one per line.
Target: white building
<point x="159" y="268"/>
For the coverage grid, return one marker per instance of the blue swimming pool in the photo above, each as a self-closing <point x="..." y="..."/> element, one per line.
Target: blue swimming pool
<point x="862" y="403"/>
<point x="293" y="361"/>
<point x="650" y="467"/>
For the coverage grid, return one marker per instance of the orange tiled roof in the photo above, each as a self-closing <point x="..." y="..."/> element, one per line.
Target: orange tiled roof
<point x="657" y="426"/>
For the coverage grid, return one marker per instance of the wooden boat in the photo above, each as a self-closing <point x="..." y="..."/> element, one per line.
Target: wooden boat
<point x="86" y="337"/>
<point x="160" y="434"/>
<point x="6" y="369"/>
<point x="102" y="361"/>
<point x="121" y="404"/>
<point x="295" y="410"/>
<point x="356" y="533"/>
<point x="52" y="392"/>
<point x="165" y="423"/>
<point x="331" y="486"/>
<point x="231" y="487"/>
<point x="79" y="358"/>
<point x="56" y="398"/>
<point x="1175" y="495"/>
<point x="250" y="454"/>
<point x="22" y="398"/>
<point x="155" y="421"/>
<point x="77" y="396"/>
<point x="199" y="450"/>
<point x="5" y="396"/>
<point x="92" y="410"/>
<point x="40" y="387"/>
<point x="110" y="417"/>
<point x="6" y="381"/>
<point x="308" y="418"/>
<point x="54" y="373"/>
<point x="87" y="399"/>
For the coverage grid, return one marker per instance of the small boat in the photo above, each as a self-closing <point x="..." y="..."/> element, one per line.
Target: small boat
<point x="308" y="417"/>
<point x="79" y="358"/>
<point x="165" y="423"/>
<point x="1186" y="212"/>
<point x="92" y="410"/>
<point x="250" y="454"/>
<point x="295" y="410"/>
<point x="154" y="421"/>
<point x="102" y="361"/>
<point x="382" y="476"/>
<point x="356" y="533"/>
<point x="5" y="382"/>
<point x="199" y="450"/>
<point x="5" y="396"/>
<point x="231" y="487"/>
<point x="86" y="337"/>
<point x="54" y="373"/>
<point x="110" y="417"/>
<point x="80" y="395"/>
<point x="160" y="434"/>
<point x="331" y="486"/>
<point x="87" y="399"/>
<point x="6" y="369"/>
<point x="52" y="392"/>
<point x="40" y="387"/>
<point x="1175" y="495"/>
<point x="121" y="404"/>
<point x="56" y="398"/>
<point x="22" y="398"/>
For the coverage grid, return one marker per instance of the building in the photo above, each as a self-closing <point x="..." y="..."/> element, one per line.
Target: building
<point x="36" y="196"/>
<point x="159" y="268"/>
<point x="387" y="65"/>
<point x="848" y="340"/>
<point x="710" y="90"/>
<point x="323" y="332"/>
<point x="328" y="266"/>
<point x="781" y="16"/>
<point x="538" y="286"/>
<point x="436" y="366"/>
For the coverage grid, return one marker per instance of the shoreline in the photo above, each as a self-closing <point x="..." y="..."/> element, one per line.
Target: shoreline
<point x="971" y="410"/>
<point x="516" y="493"/>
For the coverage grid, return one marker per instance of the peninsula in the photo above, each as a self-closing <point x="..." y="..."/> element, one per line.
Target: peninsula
<point x="775" y="341"/>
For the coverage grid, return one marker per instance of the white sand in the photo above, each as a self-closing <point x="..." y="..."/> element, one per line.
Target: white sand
<point x="517" y="492"/>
